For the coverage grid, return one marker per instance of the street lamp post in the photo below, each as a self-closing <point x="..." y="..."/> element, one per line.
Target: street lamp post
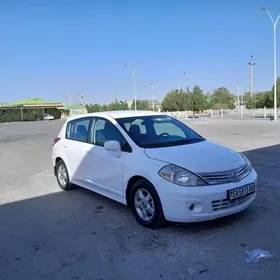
<point x="185" y="74"/>
<point x="274" y="55"/>
<point x="134" y="87"/>
<point x="179" y="87"/>
<point x="42" y="100"/>
<point x="153" y="93"/>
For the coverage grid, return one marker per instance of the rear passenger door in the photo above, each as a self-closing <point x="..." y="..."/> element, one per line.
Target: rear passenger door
<point x="76" y="147"/>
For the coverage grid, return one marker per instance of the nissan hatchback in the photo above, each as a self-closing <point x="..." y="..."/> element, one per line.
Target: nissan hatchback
<point x="154" y="164"/>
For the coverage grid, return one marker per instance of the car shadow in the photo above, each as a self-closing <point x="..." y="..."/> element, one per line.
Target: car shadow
<point x="69" y="232"/>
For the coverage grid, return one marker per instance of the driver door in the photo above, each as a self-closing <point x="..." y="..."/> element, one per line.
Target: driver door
<point x="106" y="170"/>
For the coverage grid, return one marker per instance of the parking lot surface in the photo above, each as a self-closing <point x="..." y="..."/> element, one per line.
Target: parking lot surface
<point x="50" y="234"/>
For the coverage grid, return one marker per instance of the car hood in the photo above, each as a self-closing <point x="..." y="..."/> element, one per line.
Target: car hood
<point x="200" y="157"/>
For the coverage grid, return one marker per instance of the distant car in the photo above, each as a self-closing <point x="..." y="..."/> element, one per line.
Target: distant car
<point x="48" y="117"/>
<point x="154" y="164"/>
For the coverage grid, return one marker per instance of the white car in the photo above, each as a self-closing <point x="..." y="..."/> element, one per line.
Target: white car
<point x="48" y="117"/>
<point x="154" y="164"/>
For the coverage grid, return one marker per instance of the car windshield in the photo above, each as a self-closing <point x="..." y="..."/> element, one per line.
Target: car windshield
<point x="158" y="131"/>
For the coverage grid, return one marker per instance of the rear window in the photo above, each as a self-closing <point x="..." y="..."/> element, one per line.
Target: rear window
<point x="78" y="129"/>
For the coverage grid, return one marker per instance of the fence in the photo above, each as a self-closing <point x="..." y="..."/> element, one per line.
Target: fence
<point x="263" y="113"/>
<point x="27" y="114"/>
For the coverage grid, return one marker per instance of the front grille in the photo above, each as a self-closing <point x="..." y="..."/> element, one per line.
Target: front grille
<point x="225" y="203"/>
<point x="224" y="177"/>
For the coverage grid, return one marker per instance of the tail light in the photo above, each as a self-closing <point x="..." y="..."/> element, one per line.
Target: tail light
<point x="56" y="140"/>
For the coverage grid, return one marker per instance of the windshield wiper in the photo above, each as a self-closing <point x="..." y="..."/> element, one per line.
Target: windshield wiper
<point x="151" y="144"/>
<point x="189" y="141"/>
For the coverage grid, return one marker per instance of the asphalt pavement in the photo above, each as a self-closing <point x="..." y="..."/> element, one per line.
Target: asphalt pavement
<point x="50" y="234"/>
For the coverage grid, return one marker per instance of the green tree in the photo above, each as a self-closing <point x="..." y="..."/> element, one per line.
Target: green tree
<point x="141" y="105"/>
<point x="114" y="106"/>
<point x="221" y="98"/>
<point x="91" y="108"/>
<point x="123" y="105"/>
<point x="251" y="102"/>
<point x="246" y="97"/>
<point x="104" y="108"/>
<point x="264" y="99"/>
<point x="277" y="92"/>
<point x="175" y="100"/>
<point x="197" y="100"/>
<point x="231" y="106"/>
<point x="117" y="105"/>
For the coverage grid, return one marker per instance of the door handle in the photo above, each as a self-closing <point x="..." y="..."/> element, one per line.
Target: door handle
<point x="65" y="147"/>
<point x="89" y="152"/>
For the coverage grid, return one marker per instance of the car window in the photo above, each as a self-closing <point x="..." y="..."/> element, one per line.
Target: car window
<point x="158" y="131"/>
<point x="141" y="126"/>
<point x="167" y="127"/>
<point x="78" y="129"/>
<point x="104" y="131"/>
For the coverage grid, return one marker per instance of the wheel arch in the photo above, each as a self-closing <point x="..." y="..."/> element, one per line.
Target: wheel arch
<point x="59" y="157"/>
<point x="56" y="160"/>
<point x="130" y="183"/>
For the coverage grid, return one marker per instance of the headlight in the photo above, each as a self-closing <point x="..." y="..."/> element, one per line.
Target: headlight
<point x="247" y="161"/>
<point x="180" y="176"/>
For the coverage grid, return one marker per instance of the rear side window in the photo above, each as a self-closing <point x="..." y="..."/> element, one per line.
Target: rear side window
<point x="78" y="129"/>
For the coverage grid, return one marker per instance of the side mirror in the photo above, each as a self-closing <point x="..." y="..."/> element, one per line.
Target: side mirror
<point x="113" y="146"/>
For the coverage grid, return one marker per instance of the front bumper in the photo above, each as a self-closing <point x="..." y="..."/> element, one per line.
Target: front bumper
<point x="197" y="204"/>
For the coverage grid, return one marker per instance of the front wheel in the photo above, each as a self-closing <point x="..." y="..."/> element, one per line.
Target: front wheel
<point x="146" y="205"/>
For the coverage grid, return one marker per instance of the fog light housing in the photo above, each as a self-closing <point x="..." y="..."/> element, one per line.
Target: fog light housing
<point x="195" y="207"/>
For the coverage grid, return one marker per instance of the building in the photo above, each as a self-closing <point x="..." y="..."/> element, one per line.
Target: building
<point x="3" y="104"/>
<point x="73" y="110"/>
<point x="31" y="109"/>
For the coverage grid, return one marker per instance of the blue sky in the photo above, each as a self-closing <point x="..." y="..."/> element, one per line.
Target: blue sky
<point x="53" y="48"/>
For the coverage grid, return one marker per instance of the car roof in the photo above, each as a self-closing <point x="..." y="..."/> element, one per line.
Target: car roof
<point x="119" y="114"/>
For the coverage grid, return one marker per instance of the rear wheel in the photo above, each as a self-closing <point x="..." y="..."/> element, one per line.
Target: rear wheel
<point x="62" y="176"/>
<point x="146" y="205"/>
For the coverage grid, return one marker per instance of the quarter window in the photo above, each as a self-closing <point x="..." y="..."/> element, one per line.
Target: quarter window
<point x="78" y="129"/>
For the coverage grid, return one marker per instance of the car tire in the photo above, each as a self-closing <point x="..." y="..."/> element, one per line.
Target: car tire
<point x="153" y="219"/>
<point x="63" y="181"/>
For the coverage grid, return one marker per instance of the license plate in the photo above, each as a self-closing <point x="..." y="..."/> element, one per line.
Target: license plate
<point x="241" y="191"/>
